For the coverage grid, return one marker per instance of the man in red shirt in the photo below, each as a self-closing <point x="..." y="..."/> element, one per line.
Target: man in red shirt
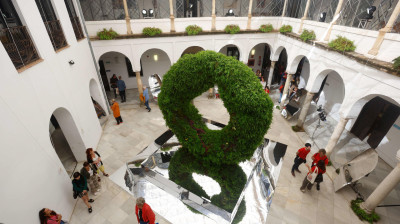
<point x="320" y="155"/>
<point x="301" y="156"/>
<point x="144" y="214"/>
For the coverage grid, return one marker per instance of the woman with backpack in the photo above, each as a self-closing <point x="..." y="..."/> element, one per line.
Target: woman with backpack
<point x="315" y="171"/>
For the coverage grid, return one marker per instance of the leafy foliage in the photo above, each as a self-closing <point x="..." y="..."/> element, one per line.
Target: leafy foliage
<point x="151" y="31"/>
<point x="232" y="29"/>
<point x="363" y="215"/>
<point x="342" y="44"/>
<point x="266" y="28"/>
<point x="193" y="30"/>
<point x="249" y="107"/>
<point x="231" y="179"/>
<point x="107" y="34"/>
<point x="396" y="64"/>
<point x="285" y="29"/>
<point x="307" y="35"/>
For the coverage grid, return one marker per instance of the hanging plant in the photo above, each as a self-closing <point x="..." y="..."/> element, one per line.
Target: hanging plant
<point x="307" y="35"/>
<point x="107" y="34"/>
<point x="266" y="28"/>
<point x="151" y="31"/>
<point x="342" y="44"/>
<point x="193" y="30"/>
<point x="232" y="29"/>
<point x="285" y="29"/>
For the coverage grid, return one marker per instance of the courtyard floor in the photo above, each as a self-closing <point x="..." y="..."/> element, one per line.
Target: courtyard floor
<point x="120" y="143"/>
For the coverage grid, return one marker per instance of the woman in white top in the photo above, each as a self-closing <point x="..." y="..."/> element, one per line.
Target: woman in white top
<point x="94" y="158"/>
<point x="263" y="83"/>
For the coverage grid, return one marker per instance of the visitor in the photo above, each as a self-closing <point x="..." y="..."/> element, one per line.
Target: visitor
<point x="281" y="92"/>
<point x="91" y="176"/>
<point x="263" y="83"/>
<point x="146" y="98"/>
<point x="121" y="88"/>
<point x="258" y="74"/>
<point x="48" y="216"/>
<point x="94" y="158"/>
<point x="293" y="93"/>
<point x="116" y="112"/>
<point x="79" y="185"/>
<point x="144" y="214"/>
<point x="266" y="89"/>
<point x="321" y="170"/>
<point x="320" y="156"/>
<point x="301" y="156"/>
<point x="113" y="82"/>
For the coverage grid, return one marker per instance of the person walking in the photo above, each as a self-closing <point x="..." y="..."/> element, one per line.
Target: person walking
<point x="79" y="185"/>
<point x="113" y="82"/>
<point x="91" y="176"/>
<point x="301" y="156"/>
<point x="146" y="98"/>
<point x="94" y="158"/>
<point x="320" y="168"/>
<point x="320" y="156"/>
<point x="143" y="212"/>
<point x="116" y="112"/>
<point x="48" y="216"/>
<point x="121" y="88"/>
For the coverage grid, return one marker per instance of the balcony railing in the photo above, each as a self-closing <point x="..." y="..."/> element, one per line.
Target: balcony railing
<point x="19" y="46"/>
<point x="76" y="24"/>
<point x="56" y="34"/>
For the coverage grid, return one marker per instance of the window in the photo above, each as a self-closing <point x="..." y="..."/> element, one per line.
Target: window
<point x="76" y="23"/>
<point x="15" y="37"/>
<point x="53" y="25"/>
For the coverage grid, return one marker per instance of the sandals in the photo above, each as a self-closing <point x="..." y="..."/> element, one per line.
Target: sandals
<point x="91" y="201"/>
<point x="90" y="210"/>
<point x="105" y="174"/>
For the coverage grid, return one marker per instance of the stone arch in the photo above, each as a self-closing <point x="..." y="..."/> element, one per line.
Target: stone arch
<point x="300" y="67"/>
<point x="71" y="132"/>
<point x="356" y="107"/>
<point x="259" y="58"/>
<point x="281" y="64"/>
<point x="154" y="61"/>
<point x="276" y="53"/>
<point x="115" y="62"/>
<point x="192" y="50"/>
<point x="224" y="49"/>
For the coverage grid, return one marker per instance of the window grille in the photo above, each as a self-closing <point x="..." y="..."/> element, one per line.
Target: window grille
<point x="76" y="23"/>
<point x="96" y="10"/>
<point x="267" y="7"/>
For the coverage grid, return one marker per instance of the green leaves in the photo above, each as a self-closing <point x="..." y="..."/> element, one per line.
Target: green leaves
<point x="151" y="31"/>
<point x="266" y="28"/>
<point x="232" y="29"/>
<point x="363" y="215"/>
<point x="307" y="35"/>
<point x="342" y="44"/>
<point x="193" y="30"/>
<point x="285" y="29"/>
<point x="107" y="34"/>
<point x="396" y="64"/>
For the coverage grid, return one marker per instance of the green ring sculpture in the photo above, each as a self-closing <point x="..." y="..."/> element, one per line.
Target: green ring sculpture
<point x="249" y="107"/>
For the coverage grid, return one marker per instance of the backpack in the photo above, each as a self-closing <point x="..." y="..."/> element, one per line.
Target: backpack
<point x="141" y="97"/>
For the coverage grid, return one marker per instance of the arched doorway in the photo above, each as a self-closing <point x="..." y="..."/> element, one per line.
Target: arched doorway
<point x="302" y="73"/>
<point x="259" y="59"/>
<point x="231" y="50"/>
<point x="116" y="63"/>
<point x="154" y="61"/>
<point x="97" y="100"/>
<point x="280" y="66"/>
<point x="66" y="139"/>
<point x="192" y="50"/>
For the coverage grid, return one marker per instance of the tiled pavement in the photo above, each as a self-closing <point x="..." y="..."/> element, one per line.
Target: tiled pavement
<point x="119" y="144"/>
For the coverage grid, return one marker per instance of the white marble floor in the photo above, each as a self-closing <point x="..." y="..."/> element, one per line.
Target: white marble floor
<point x="120" y="143"/>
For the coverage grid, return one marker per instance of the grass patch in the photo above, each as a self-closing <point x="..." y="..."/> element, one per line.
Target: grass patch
<point x="296" y="128"/>
<point x="266" y="28"/>
<point x="342" y="44"/>
<point x="232" y="29"/>
<point x="151" y="31"/>
<point x="107" y="34"/>
<point x="165" y="149"/>
<point x="396" y="64"/>
<point x="286" y="29"/>
<point x="363" y="215"/>
<point x="307" y="35"/>
<point x="193" y="30"/>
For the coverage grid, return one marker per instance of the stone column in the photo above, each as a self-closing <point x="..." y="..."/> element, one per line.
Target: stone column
<point x="284" y="8"/>
<point x="383" y="189"/>
<point x="338" y="8"/>
<point x="305" y="15"/>
<point x="271" y="73"/>
<point x="171" y="16"/>
<point x="304" y="109"/>
<point x="210" y="93"/>
<point x="383" y="31"/>
<point x="285" y="90"/>
<point x="127" y="18"/>
<point x="249" y="15"/>
<point x="336" y="135"/>
<point x="213" y="16"/>
<point x="139" y="82"/>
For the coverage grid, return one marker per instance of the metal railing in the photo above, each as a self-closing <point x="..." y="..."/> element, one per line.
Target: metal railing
<point x="76" y="25"/>
<point x="19" y="46"/>
<point x="56" y="34"/>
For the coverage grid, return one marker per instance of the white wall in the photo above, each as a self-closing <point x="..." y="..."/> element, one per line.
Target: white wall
<point x="33" y="175"/>
<point x="390" y="144"/>
<point x="259" y="52"/>
<point x="333" y="95"/>
<point x="114" y="63"/>
<point x="150" y="66"/>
